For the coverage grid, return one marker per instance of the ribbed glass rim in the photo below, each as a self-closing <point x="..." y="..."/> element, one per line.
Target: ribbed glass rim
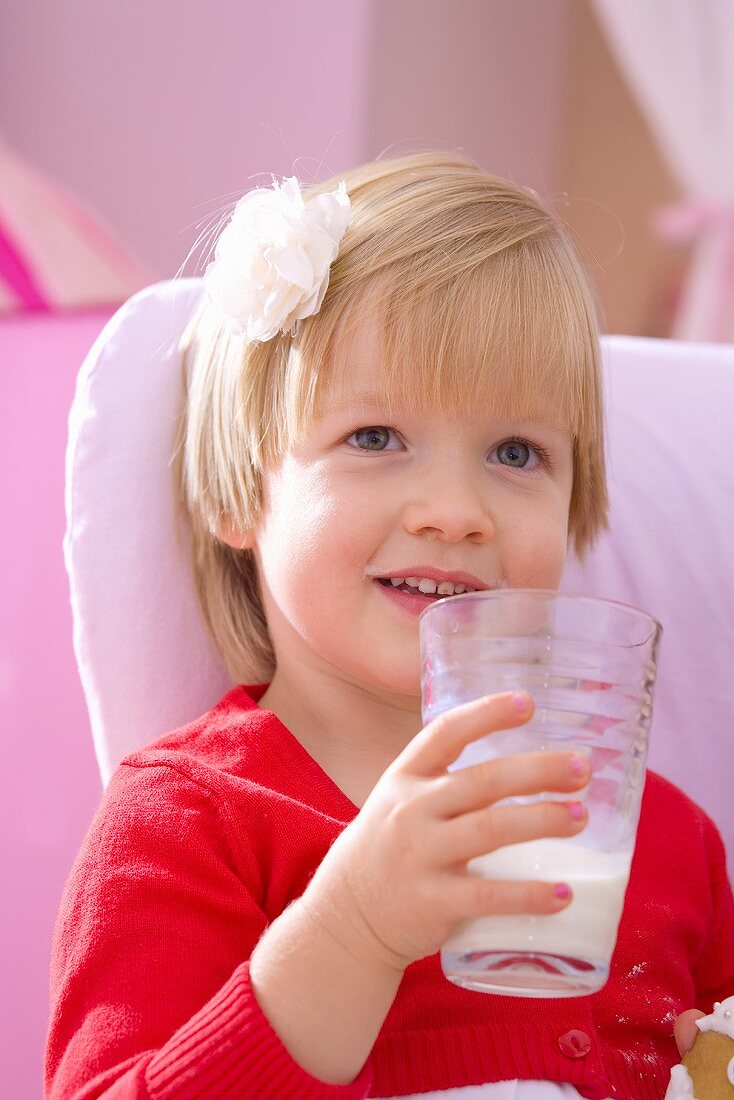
<point x="555" y="594"/>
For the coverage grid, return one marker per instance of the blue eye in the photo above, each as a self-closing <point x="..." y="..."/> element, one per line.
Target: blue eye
<point x="518" y="450"/>
<point x="518" y="453"/>
<point x="373" y="435"/>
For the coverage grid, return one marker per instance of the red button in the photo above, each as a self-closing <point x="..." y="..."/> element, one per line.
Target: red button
<point x="575" y="1044"/>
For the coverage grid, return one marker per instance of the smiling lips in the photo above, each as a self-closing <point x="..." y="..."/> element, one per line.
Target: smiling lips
<point x="406" y="598"/>
<point x="413" y="601"/>
<point x="418" y="573"/>
<point x="418" y="586"/>
<point x="413" y="590"/>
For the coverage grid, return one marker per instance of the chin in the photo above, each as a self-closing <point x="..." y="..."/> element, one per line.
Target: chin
<point x="400" y="681"/>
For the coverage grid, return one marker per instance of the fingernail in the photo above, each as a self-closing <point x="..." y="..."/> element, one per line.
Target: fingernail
<point x="561" y="890"/>
<point x="579" y="765"/>
<point x="576" y="810"/>
<point x="520" y="701"/>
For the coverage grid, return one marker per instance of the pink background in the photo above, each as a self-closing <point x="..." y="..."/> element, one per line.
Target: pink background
<point x="157" y="115"/>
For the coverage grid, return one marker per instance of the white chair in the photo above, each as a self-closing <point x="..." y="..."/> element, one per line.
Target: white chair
<point x="145" y="659"/>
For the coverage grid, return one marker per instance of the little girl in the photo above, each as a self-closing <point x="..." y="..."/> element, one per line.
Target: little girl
<point x="259" y="903"/>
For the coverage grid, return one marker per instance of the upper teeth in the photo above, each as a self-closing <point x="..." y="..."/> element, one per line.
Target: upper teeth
<point x="424" y="584"/>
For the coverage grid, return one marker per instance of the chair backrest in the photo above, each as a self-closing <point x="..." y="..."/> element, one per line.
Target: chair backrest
<point x="145" y="659"/>
<point x="147" y="664"/>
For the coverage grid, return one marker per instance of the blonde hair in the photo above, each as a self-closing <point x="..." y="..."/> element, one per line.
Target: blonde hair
<point x="483" y="302"/>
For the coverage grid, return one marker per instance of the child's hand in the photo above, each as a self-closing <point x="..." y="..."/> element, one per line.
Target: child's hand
<point x="685" y="1029"/>
<point x="394" y="884"/>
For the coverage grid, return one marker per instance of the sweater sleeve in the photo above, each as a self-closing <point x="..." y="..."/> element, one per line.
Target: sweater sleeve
<point x="714" y="970"/>
<point x="150" y="990"/>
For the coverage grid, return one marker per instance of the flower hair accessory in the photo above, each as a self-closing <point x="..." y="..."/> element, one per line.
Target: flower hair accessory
<point x="271" y="261"/>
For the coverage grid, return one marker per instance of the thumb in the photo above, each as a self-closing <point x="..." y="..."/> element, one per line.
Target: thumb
<point x="685" y="1029"/>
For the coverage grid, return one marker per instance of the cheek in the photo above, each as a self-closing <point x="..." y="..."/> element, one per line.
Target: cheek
<point x="309" y="531"/>
<point x="535" y="556"/>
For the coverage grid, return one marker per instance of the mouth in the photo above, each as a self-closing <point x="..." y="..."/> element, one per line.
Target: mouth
<point x="406" y="598"/>
<point x="408" y="589"/>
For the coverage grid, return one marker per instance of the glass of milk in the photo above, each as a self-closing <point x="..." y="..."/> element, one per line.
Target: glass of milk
<point x="590" y="666"/>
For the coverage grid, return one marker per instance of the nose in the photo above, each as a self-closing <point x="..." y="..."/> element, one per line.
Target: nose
<point x="449" y="504"/>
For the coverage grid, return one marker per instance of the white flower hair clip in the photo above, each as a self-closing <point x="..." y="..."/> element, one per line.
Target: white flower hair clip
<point x="271" y="261"/>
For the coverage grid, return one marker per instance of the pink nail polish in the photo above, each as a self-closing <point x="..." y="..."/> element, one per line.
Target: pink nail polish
<point x="520" y="701"/>
<point x="579" y="766"/>
<point x="576" y="810"/>
<point x="561" y="890"/>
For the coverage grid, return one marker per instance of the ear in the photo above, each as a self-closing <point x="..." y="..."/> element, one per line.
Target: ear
<point x="234" y="537"/>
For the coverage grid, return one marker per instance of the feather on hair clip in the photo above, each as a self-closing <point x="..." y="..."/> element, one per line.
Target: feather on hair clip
<point x="272" y="260"/>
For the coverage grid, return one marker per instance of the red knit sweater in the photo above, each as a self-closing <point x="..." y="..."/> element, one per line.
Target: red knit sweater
<point x="207" y="834"/>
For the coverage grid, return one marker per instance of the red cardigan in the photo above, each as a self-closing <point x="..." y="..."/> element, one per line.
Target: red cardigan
<point x="206" y="835"/>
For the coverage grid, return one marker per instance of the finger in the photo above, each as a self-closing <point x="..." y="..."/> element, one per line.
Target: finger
<point x="441" y="742"/>
<point x="479" y="897"/>
<point x="685" y="1029"/>
<point x="482" y="784"/>
<point x="480" y="833"/>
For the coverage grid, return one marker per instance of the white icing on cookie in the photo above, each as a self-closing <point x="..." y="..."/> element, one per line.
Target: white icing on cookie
<point x="721" y="1019"/>
<point x="680" y="1086"/>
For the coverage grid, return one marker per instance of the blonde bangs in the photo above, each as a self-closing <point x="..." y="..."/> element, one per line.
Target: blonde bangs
<point x="500" y="340"/>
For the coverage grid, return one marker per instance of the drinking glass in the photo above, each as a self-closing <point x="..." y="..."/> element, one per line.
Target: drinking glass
<point x="590" y="665"/>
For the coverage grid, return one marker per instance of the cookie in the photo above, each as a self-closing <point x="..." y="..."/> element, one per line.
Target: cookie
<point x="706" y="1071"/>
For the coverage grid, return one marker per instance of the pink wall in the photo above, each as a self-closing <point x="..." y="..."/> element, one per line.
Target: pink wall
<point x="158" y="115"/>
<point x="52" y="783"/>
<point x="490" y="78"/>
